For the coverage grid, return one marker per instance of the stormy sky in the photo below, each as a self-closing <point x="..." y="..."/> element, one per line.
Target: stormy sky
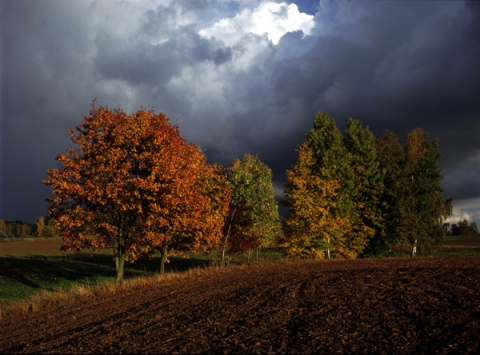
<point x="237" y="77"/>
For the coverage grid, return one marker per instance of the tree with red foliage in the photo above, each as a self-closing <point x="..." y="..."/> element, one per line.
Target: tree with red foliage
<point x="135" y="185"/>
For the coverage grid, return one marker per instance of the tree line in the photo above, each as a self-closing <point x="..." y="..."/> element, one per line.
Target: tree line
<point x="355" y="195"/>
<point x="44" y="227"/>
<point x="132" y="183"/>
<point x="464" y="228"/>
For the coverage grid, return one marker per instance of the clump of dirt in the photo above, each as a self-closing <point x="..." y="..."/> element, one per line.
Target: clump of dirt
<point x="424" y="305"/>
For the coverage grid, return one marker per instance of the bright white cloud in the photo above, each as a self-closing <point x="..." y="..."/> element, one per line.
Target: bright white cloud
<point x="271" y="19"/>
<point x="251" y="33"/>
<point x="465" y="209"/>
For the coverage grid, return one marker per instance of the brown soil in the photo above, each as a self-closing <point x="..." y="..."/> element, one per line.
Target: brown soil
<point x="393" y="306"/>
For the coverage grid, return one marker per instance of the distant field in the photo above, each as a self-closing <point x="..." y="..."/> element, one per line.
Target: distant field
<point x="460" y="246"/>
<point x="462" y="242"/>
<point x="35" y="246"/>
<point x="32" y="246"/>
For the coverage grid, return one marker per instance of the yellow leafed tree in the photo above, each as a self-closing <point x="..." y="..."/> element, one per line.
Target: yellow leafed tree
<point x="312" y="226"/>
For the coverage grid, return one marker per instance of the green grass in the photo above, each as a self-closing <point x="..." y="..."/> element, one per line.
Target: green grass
<point x="31" y="282"/>
<point x="23" y="276"/>
<point x="33" y="266"/>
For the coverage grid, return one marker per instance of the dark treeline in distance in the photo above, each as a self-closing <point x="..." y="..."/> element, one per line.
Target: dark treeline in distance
<point x="44" y="227"/>
<point x="464" y="228"/>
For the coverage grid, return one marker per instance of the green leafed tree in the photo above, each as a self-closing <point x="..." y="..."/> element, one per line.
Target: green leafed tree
<point x="253" y="219"/>
<point x="367" y="186"/>
<point x="391" y="155"/>
<point x="425" y="208"/>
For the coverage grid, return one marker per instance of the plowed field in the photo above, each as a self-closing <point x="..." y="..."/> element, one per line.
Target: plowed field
<point x="393" y="306"/>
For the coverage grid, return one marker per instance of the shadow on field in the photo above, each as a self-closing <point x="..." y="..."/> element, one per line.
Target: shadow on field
<point x="38" y="271"/>
<point x="46" y="272"/>
<point x="175" y="264"/>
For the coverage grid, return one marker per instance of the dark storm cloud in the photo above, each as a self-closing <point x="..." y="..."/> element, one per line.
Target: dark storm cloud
<point x="40" y="56"/>
<point x="393" y="59"/>
<point x="393" y="65"/>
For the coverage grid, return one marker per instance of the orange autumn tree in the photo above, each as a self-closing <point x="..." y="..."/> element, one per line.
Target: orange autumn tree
<point x="192" y="214"/>
<point x="134" y="184"/>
